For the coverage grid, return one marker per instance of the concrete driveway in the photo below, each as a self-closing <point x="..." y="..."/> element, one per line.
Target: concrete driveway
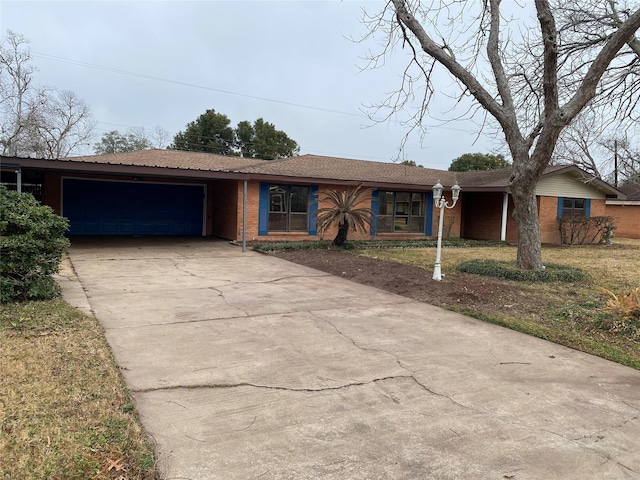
<point x="246" y="366"/>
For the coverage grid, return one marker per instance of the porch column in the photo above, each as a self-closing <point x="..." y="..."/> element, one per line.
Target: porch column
<point x="505" y="209"/>
<point x="19" y="180"/>
<point x="244" y="216"/>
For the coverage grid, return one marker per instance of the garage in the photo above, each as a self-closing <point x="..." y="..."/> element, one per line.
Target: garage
<point x="101" y="207"/>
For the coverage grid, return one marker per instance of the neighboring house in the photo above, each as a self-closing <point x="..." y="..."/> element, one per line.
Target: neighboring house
<point x="169" y="192"/>
<point x="626" y="211"/>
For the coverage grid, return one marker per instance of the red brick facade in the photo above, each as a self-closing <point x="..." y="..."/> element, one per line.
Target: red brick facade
<point x="627" y="220"/>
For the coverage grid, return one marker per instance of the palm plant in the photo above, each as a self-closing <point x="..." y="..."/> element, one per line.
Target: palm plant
<point x="345" y="211"/>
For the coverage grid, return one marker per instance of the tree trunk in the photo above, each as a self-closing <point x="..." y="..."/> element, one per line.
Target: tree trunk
<point x="341" y="237"/>
<point x="529" y="255"/>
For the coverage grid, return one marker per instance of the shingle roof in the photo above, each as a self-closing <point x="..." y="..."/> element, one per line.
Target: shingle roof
<point x="171" y="159"/>
<point x="313" y="167"/>
<point x="333" y="168"/>
<point x="631" y="191"/>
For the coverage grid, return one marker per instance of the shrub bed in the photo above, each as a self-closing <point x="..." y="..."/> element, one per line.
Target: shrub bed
<point x="553" y="272"/>
<point x="31" y="245"/>
<point x="373" y="244"/>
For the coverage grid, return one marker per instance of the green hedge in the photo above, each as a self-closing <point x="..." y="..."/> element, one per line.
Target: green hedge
<point x="553" y="272"/>
<point x="31" y="245"/>
<point x="373" y="244"/>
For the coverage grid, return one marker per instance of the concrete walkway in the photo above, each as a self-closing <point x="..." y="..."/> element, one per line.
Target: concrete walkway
<point x="246" y="366"/>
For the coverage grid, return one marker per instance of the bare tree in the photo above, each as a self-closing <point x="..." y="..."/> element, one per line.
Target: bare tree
<point x="627" y="160"/>
<point x="37" y="121"/>
<point x="65" y="125"/>
<point x="532" y="77"/>
<point x="18" y="99"/>
<point x="580" y="144"/>
<point x="160" y="137"/>
<point x="610" y="152"/>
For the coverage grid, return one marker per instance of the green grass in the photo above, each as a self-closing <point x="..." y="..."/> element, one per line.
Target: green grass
<point x="370" y="244"/>
<point x="553" y="272"/>
<point x="66" y="413"/>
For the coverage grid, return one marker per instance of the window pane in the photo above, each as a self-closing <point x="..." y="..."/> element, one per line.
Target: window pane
<point x="401" y="223"/>
<point x="417" y="224"/>
<point x="385" y="203"/>
<point x="578" y="203"/>
<point x="402" y="203"/>
<point x="299" y="199"/>
<point x="277" y="198"/>
<point x="416" y="204"/>
<point x="278" y="222"/>
<point x="298" y="222"/>
<point x="385" y="223"/>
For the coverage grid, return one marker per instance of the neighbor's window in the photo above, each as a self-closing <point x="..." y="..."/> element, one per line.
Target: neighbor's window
<point x="288" y="208"/>
<point x="401" y="212"/>
<point x="573" y="207"/>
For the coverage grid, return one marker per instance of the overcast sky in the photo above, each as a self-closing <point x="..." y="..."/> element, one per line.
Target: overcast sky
<point x="148" y="63"/>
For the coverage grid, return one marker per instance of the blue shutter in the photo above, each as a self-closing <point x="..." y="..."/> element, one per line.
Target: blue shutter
<point x="263" y="209"/>
<point x="375" y="198"/>
<point x="587" y="207"/>
<point x="313" y="208"/>
<point x="428" y="221"/>
<point x="560" y="206"/>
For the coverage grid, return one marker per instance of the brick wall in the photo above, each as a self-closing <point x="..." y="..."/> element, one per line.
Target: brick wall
<point x="548" y="215"/>
<point x="627" y="220"/>
<point x="222" y="207"/>
<point x="52" y="191"/>
<point x="482" y="215"/>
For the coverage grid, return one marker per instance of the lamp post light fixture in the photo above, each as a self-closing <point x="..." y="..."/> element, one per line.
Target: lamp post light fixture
<point x="440" y="202"/>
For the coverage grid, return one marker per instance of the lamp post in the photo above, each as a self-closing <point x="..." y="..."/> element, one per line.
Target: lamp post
<point x="440" y="202"/>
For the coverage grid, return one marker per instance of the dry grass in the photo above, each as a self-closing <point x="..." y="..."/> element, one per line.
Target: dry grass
<point x="616" y="266"/>
<point x="573" y="314"/>
<point x="65" y="412"/>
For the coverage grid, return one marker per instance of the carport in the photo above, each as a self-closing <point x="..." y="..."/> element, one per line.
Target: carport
<point x="108" y="207"/>
<point x="145" y="193"/>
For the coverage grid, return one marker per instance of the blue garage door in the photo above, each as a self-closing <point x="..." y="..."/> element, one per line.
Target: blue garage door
<point x="132" y="208"/>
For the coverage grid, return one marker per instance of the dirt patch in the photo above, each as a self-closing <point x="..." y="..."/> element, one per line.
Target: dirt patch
<point x="478" y="293"/>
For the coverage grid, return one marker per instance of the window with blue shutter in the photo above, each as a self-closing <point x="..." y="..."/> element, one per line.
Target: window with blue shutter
<point x="428" y="224"/>
<point x="375" y="196"/>
<point x="263" y="209"/>
<point x="574" y="207"/>
<point x="313" y="208"/>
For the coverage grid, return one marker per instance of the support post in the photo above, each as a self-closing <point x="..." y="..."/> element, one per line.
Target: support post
<point x="505" y="209"/>
<point x="244" y="216"/>
<point x="19" y="180"/>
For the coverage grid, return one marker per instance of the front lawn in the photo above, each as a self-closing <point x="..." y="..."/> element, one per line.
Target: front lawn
<point x="571" y="313"/>
<point x="64" y="410"/>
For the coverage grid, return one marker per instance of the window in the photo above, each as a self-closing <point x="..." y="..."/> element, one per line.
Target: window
<point x="288" y="208"/>
<point x="401" y="212"/>
<point x="31" y="182"/>
<point x="574" y="207"/>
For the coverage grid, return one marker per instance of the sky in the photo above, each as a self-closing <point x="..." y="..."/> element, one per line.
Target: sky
<point x="295" y="64"/>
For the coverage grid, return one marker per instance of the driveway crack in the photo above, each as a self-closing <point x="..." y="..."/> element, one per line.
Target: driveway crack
<point x="401" y="365"/>
<point x="272" y="387"/>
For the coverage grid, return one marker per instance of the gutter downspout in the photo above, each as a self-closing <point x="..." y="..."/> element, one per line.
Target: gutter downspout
<point x="505" y="209"/>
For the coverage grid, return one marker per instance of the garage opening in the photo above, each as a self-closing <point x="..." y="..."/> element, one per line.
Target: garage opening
<point x="102" y="207"/>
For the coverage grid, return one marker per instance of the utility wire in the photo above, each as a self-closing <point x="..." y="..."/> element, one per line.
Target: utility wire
<point x="186" y="84"/>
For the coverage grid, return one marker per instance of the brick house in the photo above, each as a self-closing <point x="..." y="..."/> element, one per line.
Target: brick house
<point x="168" y="192"/>
<point x="626" y="211"/>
